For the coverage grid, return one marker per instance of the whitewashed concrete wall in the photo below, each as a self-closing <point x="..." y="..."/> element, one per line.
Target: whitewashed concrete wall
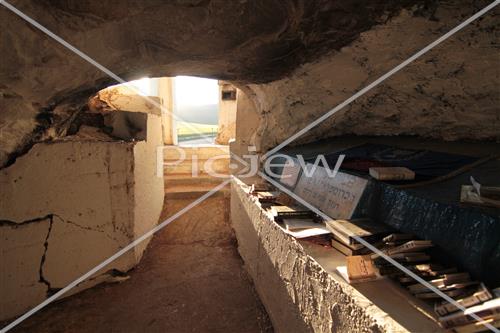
<point x="227" y="116"/>
<point x="68" y="205"/>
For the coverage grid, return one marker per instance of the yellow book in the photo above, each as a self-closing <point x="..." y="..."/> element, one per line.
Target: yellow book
<point x="391" y="173"/>
<point x="360" y="269"/>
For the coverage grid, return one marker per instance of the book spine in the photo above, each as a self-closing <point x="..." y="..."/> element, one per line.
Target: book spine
<point x="465" y="319"/>
<point x="338" y="233"/>
<point x="478" y="297"/>
<point x="342" y="248"/>
<point x="391" y="173"/>
<point x="394" y="176"/>
<point x="477" y="326"/>
<point x="396" y="250"/>
<point x="293" y="214"/>
<point x="446" y="308"/>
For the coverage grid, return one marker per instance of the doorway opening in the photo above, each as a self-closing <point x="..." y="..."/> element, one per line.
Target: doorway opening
<point x="195" y="111"/>
<point x="196" y="107"/>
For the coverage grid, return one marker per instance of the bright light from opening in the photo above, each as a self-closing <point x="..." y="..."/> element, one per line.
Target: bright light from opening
<point x="143" y="85"/>
<point x="196" y="91"/>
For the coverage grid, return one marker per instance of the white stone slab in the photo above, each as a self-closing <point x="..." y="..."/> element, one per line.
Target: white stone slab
<point x="336" y="196"/>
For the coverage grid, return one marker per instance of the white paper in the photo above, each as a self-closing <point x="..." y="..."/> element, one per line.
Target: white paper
<point x="319" y="230"/>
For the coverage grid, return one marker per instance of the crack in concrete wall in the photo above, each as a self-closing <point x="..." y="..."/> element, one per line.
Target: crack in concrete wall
<point x="13" y="224"/>
<point x="50" y="218"/>
<point x="43" y="280"/>
<point x="86" y="200"/>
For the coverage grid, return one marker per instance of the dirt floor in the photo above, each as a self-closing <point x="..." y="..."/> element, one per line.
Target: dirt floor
<point x="191" y="279"/>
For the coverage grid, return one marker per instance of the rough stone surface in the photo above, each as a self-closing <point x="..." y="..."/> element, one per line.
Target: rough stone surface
<point x="123" y="98"/>
<point x="246" y="41"/>
<point x="450" y="93"/>
<point x="298" y="293"/>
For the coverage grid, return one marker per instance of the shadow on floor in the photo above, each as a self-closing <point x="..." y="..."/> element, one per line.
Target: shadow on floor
<point x="191" y="279"/>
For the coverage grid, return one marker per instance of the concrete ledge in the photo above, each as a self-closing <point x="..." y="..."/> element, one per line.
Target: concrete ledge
<point x="301" y="292"/>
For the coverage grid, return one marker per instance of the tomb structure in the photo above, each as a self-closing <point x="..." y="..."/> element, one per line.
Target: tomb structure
<point x="109" y="173"/>
<point x="78" y="167"/>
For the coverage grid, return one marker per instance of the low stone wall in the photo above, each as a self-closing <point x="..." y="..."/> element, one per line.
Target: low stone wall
<point x="298" y="293"/>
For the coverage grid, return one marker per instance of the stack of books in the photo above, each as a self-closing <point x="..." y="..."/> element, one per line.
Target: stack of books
<point x="467" y="321"/>
<point x="476" y="297"/>
<point x="467" y="293"/>
<point x="266" y="196"/>
<point x="298" y="221"/>
<point x="296" y="211"/>
<point x="262" y="187"/>
<point x="391" y="173"/>
<point x="303" y="227"/>
<point x="266" y="193"/>
<point x="347" y="233"/>
<point x="404" y="248"/>
<point x="299" y="224"/>
<point x="293" y="218"/>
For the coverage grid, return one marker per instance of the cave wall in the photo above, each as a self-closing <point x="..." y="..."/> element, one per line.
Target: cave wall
<point x="245" y="41"/>
<point x="298" y="58"/>
<point x="294" y="60"/>
<point x="451" y="93"/>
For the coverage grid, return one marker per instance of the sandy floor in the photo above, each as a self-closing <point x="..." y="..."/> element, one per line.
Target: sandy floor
<point x="191" y="279"/>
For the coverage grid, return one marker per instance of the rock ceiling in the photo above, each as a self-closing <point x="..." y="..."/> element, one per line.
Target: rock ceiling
<point x="245" y="41"/>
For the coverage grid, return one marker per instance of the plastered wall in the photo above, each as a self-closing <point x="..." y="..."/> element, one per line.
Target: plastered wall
<point x="67" y="205"/>
<point x="227" y="114"/>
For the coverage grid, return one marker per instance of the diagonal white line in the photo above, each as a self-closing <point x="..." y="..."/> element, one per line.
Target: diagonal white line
<point x="85" y="57"/>
<point x="370" y="246"/>
<point x="350" y="100"/>
<point x="146" y="235"/>
<point x="380" y="253"/>
<point x="60" y="40"/>
<point x="286" y="142"/>
<point x="381" y="79"/>
<point x="113" y="257"/>
<point x="143" y="237"/>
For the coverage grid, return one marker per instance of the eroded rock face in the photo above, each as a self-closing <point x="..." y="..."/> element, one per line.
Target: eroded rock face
<point x="450" y="93"/>
<point x="246" y="41"/>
